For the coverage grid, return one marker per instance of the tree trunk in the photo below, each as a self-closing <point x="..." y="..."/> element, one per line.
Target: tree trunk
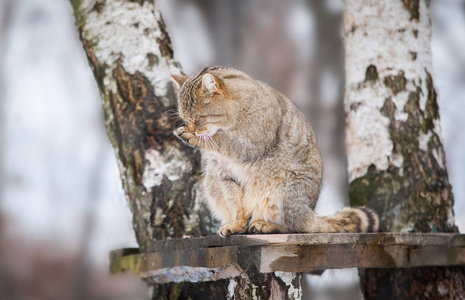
<point x="130" y="54"/>
<point x="396" y="162"/>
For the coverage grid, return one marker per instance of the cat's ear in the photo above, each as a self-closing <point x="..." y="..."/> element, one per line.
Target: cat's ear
<point x="180" y="79"/>
<point x="210" y="84"/>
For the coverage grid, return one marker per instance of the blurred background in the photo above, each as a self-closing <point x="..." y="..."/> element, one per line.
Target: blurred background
<point x="62" y="208"/>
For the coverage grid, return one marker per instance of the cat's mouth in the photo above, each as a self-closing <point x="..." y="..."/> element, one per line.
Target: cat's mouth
<point x="203" y="137"/>
<point x="206" y="141"/>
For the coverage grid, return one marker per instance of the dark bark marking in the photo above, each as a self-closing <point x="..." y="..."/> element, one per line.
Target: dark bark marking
<point x="142" y="123"/>
<point x="389" y="108"/>
<point x="172" y="224"/>
<point x="268" y="285"/>
<point x="422" y="195"/>
<point x="140" y="2"/>
<point x="432" y="108"/>
<point x="414" y="283"/>
<point x="353" y="28"/>
<point x="153" y="60"/>
<point x="413" y="7"/>
<point x="414" y="55"/>
<point x="371" y="73"/>
<point x="396" y="83"/>
<point x="415" y="33"/>
<point x="164" y="41"/>
<point x="378" y="191"/>
<point x="98" y="6"/>
<point x="211" y="290"/>
<point x="143" y="120"/>
<point x="115" y="131"/>
<point x="354" y="106"/>
<point x="97" y="69"/>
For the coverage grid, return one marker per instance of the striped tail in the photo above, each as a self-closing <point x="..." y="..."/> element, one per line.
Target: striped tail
<point x="356" y="219"/>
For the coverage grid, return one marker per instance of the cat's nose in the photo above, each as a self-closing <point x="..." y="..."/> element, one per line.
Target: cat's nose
<point x="191" y="127"/>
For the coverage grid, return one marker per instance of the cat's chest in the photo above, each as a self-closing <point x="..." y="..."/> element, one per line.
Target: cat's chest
<point x="242" y="173"/>
<point x="252" y="177"/>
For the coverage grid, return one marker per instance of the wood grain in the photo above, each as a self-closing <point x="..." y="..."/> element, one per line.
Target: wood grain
<point x="213" y="258"/>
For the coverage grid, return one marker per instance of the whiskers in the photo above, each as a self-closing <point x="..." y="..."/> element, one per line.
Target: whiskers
<point x="173" y="115"/>
<point x="208" y="143"/>
<point x="213" y="142"/>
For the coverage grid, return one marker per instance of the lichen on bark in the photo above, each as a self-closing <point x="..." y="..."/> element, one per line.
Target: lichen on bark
<point x="410" y="189"/>
<point x="414" y="196"/>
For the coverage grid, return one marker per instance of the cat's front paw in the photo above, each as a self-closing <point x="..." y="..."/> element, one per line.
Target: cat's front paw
<point x="188" y="137"/>
<point x="232" y="228"/>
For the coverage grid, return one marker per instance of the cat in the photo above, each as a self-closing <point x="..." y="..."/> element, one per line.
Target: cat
<point x="260" y="159"/>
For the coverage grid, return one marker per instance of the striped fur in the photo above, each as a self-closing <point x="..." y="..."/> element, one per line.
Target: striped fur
<point x="260" y="159"/>
<point x="359" y="219"/>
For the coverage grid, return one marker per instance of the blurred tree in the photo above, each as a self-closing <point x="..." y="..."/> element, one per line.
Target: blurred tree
<point x="396" y="160"/>
<point x="131" y="57"/>
<point x="8" y="288"/>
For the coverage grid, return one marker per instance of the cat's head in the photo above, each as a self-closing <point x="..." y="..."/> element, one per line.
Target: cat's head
<point x="204" y="103"/>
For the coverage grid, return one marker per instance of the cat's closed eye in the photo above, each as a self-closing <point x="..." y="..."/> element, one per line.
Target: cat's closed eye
<point x="210" y="118"/>
<point x="216" y="116"/>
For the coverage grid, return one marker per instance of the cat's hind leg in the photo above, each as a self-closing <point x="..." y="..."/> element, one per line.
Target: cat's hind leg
<point x="296" y="200"/>
<point x="265" y="227"/>
<point x="266" y="216"/>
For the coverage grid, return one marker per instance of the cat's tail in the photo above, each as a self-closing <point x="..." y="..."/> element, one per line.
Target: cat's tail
<point x="350" y="219"/>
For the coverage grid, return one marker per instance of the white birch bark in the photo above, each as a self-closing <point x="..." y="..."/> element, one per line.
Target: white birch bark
<point x="381" y="33"/>
<point x="390" y="98"/>
<point x="396" y="162"/>
<point x="130" y="54"/>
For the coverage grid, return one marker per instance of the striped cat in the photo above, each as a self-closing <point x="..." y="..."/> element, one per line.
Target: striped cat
<point x="261" y="163"/>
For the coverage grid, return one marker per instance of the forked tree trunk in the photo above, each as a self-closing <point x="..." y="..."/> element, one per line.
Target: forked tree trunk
<point x="396" y="161"/>
<point x="130" y="54"/>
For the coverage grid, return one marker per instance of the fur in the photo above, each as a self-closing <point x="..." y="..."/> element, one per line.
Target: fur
<point x="260" y="159"/>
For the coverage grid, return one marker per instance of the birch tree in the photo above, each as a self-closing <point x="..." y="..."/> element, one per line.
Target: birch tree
<point x="130" y="53"/>
<point x="396" y="161"/>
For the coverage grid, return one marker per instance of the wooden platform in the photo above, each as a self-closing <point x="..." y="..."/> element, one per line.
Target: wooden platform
<point x="213" y="257"/>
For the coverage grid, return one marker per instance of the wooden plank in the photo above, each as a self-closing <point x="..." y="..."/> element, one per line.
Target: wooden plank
<point x="213" y="257"/>
<point x="303" y="258"/>
<point x="309" y="239"/>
